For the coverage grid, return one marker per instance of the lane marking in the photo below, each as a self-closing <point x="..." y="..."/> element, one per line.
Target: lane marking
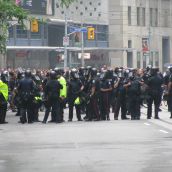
<point x="147" y="124"/>
<point x="163" y="131"/>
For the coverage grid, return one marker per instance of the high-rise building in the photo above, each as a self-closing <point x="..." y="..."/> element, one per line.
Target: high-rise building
<point x="145" y="26"/>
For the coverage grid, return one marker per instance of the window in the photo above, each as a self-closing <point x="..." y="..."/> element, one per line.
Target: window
<point x="143" y="17"/>
<point x="129" y="44"/>
<point x="10" y="31"/>
<point x="151" y="16"/>
<point x="21" y="33"/>
<point x="156" y="17"/>
<point x="138" y="59"/>
<point x="102" y="33"/>
<point x="151" y="58"/>
<point x="129" y="15"/>
<point x="91" y="14"/>
<point x="138" y="16"/>
<point x="157" y="59"/>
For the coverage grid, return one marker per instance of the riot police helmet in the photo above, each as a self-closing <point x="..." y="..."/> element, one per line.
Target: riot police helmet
<point x="4" y="76"/>
<point x="28" y="73"/>
<point x="74" y="74"/>
<point x="154" y="71"/>
<point x="52" y="74"/>
<point x="93" y="72"/>
<point x="170" y="68"/>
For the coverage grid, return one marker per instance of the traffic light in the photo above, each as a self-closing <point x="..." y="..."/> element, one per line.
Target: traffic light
<point x="91" y="33"/>
<point x="34" y="25"/>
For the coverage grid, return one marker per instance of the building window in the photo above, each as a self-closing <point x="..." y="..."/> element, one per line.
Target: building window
<point x="156" y="17"/>
<point x="138" y="16"/>
<point x="129" y="44"/>
<point x="143" y="17"/>
<point x="129" y="16"/>
<point x="151" y="58"/>
<point x="10" y="31"/>
<point x="21" y="33"/>
<point x="151" y="16"/>
<point x="138" y="59"/>
<point x="157" y="59"/>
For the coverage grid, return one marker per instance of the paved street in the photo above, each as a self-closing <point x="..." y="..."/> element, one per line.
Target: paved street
<point x="107" y="146"/>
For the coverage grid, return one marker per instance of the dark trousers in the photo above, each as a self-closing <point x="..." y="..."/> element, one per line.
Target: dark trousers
<point x="71" y="101"/>
<point x="3" y="111"/>
<point x="120" y="103"/>
<point x="54" y="108"/>
<point x="104" y="106"/>
<point x="26" y="114"/>
<point x="94" y="109"/>
<point x="156" y="99"/>
<point x="134" y="106"/>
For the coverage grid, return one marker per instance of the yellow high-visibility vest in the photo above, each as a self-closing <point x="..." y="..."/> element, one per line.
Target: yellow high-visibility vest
<point x="77" y="101"/>
<point x="4" y="90"/>
<point x="63" y="91"/>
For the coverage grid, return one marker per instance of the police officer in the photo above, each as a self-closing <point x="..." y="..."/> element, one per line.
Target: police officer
<point x="169" y="90"/>
<point x="52" y="95"/>
<point x="3" y="98"/>
<point x="120" y="86"/>
<point x="105" y="88"/>
<point x="25" y="92"/>
<point x="75" y="88"/>
<point x="63" y="91"/>
<point x="133" y="96"/>
<point x="92" y="102"/>
<point x="154" y="90"/>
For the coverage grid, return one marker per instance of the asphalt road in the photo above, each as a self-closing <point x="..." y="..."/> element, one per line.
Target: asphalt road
<point x="105" y="146"/>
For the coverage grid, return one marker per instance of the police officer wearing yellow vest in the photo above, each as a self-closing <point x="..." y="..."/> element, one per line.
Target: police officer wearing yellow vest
<point x="3" y="98"/>
<point x="63" y="91"/>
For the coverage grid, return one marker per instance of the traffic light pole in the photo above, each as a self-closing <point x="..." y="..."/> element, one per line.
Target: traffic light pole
<point x="65" y="47"/>
<point x="82" y="48"/>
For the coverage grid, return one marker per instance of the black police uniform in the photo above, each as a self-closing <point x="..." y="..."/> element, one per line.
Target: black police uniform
<point x="52" y="96"/>
<point x="105" y="84"/>
<point x="154" y="91"/>
<point x="133" y="99"/>
<point x="25" y="92"/>
<point x="121" y="100"/>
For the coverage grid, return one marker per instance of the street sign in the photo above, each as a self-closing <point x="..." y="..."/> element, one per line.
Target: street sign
<point x="65" y="41"/>
<point x="75" y="29"/>
<point x="84" y="29"/>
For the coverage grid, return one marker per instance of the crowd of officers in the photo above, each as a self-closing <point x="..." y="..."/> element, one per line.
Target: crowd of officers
<point x="92" y="92"/>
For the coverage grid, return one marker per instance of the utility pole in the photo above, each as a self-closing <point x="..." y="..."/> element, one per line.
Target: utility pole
<point x="82" y="49"/>
<point x="65" y="46"/>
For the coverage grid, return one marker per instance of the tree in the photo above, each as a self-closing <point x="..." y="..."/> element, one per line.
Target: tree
<point x="9" y="11"/>
<point x="67" y="3"/>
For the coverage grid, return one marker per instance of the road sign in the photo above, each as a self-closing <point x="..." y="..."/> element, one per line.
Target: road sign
<point x="84" y="29"/>
<point x="65" y="41"/>
<point x="75" y="29"/>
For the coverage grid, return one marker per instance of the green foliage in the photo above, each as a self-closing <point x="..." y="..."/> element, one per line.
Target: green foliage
<point x="9" y="12"/>
<point x="66" y="3"/>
